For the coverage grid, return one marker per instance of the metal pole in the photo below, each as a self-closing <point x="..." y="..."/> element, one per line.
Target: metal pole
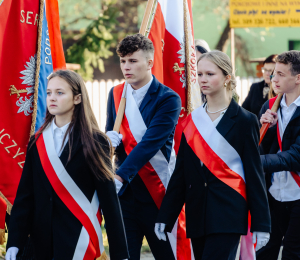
<point x="232" y="50"/>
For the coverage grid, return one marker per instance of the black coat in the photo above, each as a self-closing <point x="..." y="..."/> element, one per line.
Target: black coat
<point x="255" y="100"/>
<point x="289" y="158"/>
<point x="211" y="206"/>
<point x="39" y="211"/>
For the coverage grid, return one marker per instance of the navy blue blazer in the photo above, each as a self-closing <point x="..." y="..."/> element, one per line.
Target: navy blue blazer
<point x="160" y="110"/>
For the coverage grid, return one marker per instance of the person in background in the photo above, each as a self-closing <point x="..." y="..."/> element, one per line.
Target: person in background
<point x="201" y="47"/>
<point x="258" y="93"/>
<point x="273" y="91"/>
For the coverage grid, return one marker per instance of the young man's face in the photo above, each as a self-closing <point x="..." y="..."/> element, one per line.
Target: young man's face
<point x="136" y="68"/>
<point x="284" y="81"/>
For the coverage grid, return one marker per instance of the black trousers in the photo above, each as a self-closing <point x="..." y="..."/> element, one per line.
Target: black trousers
<point x="139" y="220"/>
<point x="216" y="247"/>
<point x="285" y="218"/>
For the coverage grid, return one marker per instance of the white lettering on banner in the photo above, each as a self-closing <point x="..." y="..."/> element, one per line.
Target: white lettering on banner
<point x="47" y="50"/>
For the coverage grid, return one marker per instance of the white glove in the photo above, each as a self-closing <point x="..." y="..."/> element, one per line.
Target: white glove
<point x="11" y="253"/>
<point x="115" y="138"/>
<point x="159" y="231"/>
<point x="262" y="239"/>
<point x="118" y="185"/>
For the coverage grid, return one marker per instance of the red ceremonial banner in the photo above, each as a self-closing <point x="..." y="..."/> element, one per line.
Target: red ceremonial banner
<point x="18" y="45"/>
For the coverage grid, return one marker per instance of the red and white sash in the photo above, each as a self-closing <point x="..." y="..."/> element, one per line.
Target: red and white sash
<point x="221" y="159"/>
<point x="280" y="132"/>
<point x="90" y="242"/>
<point x="214" y="151"/>
<point x="157" y="172"/>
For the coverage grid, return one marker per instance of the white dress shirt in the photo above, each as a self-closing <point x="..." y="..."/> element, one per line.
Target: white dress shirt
<point x="284" y="187"/>
<point x="140" y="93"/>
<point x="58" y="136"/>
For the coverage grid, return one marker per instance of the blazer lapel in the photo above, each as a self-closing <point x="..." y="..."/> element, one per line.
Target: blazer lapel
<point x="227" y="122"/>
<point x="296" y="114"/>
<point x="148" y="97"/>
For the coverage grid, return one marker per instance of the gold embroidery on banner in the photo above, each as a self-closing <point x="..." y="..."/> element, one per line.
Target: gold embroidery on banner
<point x="184" y="111"/>
<point x="163" y="42"/>
<point x="21" y="165"/>
<point x="13" y="91"/>
<point x="177" y="68"/>
<point x="7" y="147"/>
<point x="17" y="154"/>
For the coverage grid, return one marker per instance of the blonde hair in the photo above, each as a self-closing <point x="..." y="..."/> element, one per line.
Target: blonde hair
<point x="223" y="62"/>
<point x="202" y="43"/>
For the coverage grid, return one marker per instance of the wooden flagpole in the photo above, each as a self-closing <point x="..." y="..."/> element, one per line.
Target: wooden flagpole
<point x="187" y="45"/>
<point x="266" y="126"/>
<point x="143" y="30"/>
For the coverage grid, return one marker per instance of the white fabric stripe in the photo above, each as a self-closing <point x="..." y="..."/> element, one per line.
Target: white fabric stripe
<point x="68" y="182"/>
<point x="82" y="244"/>
<point x="84" y="237"/>
<point x="95" y="205"/>
<point x="172" y="11"/>
<point x="138" y="129"/>
<point x="173" y="238"/>
<point x="217" y="142"/>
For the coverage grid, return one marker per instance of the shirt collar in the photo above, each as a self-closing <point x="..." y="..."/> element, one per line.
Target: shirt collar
<point x="143" y="90"/>
<point x="296" y="102"/>
<point x="63" y="128"/>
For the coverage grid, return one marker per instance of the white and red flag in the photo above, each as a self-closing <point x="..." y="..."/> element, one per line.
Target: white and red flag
<point x="175" y="65"/>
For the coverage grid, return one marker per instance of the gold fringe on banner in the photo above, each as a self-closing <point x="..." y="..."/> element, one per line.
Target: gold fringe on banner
<point x="187" y="58"/>
<point x="2" y="236"/>
<point x="103" y="256"/>
<point x="9" y="205"/>
<point x="37" y="70"/>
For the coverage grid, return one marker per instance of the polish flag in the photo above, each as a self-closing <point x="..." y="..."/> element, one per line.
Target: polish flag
<point x="175" y="65"/>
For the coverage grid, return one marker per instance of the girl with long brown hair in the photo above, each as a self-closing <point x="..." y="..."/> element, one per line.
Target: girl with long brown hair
<point x="67" y="182"/>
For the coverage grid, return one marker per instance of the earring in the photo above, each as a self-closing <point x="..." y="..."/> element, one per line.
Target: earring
<point x="225" y="84"/>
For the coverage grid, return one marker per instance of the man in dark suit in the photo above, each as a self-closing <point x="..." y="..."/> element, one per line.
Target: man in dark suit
<point x="157" y="109"/>
<point x="281" y="161"/>
<point x="258" y="93"/>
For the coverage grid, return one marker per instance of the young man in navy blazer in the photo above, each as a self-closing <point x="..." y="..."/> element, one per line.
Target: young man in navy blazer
<point x="159" y="107"/>
<point x="281" y="161"/>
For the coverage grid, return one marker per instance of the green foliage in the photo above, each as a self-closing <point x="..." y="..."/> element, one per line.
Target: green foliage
<point x="94" y="44"/>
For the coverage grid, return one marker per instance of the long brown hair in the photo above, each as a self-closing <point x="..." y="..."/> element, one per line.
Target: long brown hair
<point x="83" y="119"/>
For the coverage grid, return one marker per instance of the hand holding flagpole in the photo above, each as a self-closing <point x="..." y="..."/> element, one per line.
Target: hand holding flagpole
<point x="266" y="126"/>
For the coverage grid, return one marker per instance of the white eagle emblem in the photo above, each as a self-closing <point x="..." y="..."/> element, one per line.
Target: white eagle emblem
<point x="28" y="77"/>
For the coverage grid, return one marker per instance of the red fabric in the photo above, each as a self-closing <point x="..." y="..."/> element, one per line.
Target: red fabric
<point x="166" y="47"/>
<point x="211" y="160"/>
<point x="52" y="12"/>
<point x="18" y="42"/>
<point x="67" y="199"/>
<point x="294" y="174"/>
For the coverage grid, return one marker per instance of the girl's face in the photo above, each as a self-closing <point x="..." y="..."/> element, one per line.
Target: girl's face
<point x="210" y="77"/>
<point x="60" y="99"/>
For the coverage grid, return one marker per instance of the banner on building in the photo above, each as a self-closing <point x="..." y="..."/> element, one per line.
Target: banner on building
<point x="262" y="13"/>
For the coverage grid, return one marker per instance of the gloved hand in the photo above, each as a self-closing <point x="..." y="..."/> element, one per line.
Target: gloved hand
<point x="262" y="239"/>
<point x="118" y="185"/>
<point x="11" y="253"/>
<point x="115" y="138"/>
<point x="159" y="231"/>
